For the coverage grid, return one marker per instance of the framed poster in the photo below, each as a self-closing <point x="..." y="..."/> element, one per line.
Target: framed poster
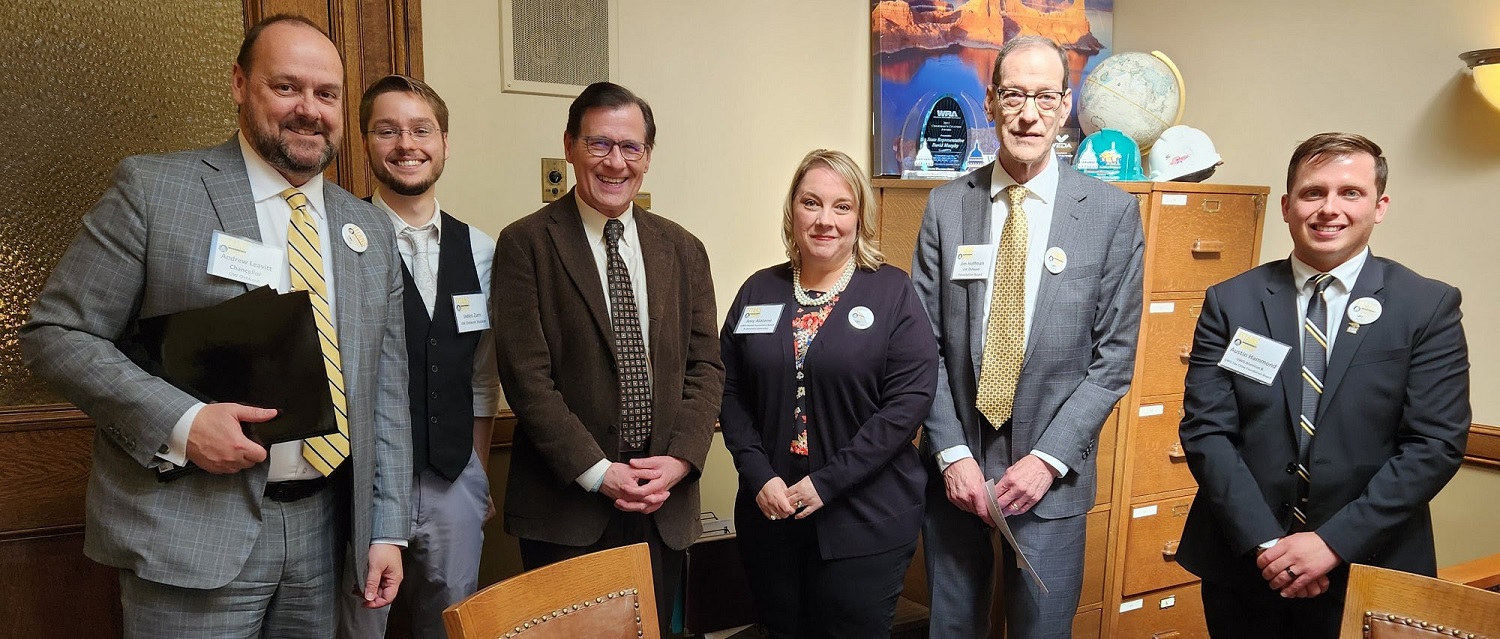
<point x="933" y="60"/>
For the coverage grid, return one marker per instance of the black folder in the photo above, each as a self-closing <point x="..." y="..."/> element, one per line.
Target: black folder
<point x="259" y="349"/>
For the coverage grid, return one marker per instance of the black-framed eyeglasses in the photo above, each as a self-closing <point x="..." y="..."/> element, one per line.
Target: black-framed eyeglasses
<point x="390" y="132"/>
<point x="1013" y="100"/>
<point x="600" y="146"/>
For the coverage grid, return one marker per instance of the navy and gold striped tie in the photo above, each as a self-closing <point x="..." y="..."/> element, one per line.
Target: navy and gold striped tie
<point x="1314" y="364"/>
<point x="305" y="257"/>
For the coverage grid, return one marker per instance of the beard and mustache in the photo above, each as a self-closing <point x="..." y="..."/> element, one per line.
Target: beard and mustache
<point x="278" y="152"/>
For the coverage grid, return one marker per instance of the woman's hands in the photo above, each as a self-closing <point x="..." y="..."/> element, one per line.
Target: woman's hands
<point x="776" y="501"/>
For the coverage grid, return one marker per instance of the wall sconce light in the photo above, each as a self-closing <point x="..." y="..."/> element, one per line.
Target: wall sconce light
<point x="1485" y="63"/>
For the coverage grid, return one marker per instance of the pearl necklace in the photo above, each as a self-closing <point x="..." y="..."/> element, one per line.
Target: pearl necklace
<point x="807" y="300"/>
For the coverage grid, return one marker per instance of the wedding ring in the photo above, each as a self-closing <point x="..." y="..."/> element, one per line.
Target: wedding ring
<point x="773" y="517"/>
<point x="1290" y="573"/>
<point x="799" y="503"/>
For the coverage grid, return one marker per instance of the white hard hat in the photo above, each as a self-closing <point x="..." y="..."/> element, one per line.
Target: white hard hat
<point x="1182" y="150"/>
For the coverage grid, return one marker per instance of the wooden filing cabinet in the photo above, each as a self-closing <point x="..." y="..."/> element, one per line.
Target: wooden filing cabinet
<point x="1196" y="235"/>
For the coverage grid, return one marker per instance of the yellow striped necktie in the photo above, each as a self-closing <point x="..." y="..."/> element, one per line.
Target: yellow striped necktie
<point x="1005" y="332"/>
<point x="305" y="257"/>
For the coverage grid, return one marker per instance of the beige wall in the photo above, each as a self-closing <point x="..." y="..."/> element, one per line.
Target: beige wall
<point x="1261" y="76"/>
<point x="742" y="90"/>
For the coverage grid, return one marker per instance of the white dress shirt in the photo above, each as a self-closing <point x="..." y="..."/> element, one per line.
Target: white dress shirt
<point x="486" y="379"/>
<point x="274" y="215"/>
<point x="630" y="252"/>
<point x="1336" y="296"/>
<point x="1041" y="196"/>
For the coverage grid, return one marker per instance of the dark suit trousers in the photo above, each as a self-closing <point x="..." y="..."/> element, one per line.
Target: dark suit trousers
<point x="798" y="594"/>
<point x="1255" y="613"/>
<point x="623" y="529"/>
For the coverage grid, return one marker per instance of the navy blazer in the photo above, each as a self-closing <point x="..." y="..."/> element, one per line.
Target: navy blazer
<point x="867" y="391"/>
<point x="1393" y="422"/>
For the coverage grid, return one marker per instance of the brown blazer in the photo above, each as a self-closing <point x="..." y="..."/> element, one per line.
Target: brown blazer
<point x="557" y="368"/>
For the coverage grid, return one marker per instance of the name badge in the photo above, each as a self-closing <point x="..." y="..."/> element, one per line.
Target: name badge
<point x="758" y="319"/>
<point x="471" y="311"/>
<point x="1254" y="356"/>
<point x="246" y="261"/>
<point x="974" y="262"/>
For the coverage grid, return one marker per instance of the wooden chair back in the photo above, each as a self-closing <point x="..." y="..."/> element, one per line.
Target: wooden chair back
<point x="608" y="594"/>
<point x="1390" y="604"/>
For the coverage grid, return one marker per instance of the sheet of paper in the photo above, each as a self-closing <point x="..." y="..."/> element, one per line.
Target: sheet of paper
<point x="1021" y="560"/>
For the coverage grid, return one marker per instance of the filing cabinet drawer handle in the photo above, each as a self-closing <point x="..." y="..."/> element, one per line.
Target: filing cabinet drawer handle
<point x="1166" y="634"/>
<point x="1175" y="453"/>
<point x="1211" y="206"/>
<point x="1185" y="351"/>
<point x="1169" y="550"/>
<point x="1208" y="246"/>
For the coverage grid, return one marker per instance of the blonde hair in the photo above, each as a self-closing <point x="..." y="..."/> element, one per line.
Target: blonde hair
<point x="867" y="253"/>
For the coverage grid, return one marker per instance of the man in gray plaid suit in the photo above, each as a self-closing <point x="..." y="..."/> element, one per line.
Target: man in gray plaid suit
<point x="1063" y="322"/>
<point x="252" y="545"/>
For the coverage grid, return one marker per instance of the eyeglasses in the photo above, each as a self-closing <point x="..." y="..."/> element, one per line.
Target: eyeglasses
<point x="417" y="133"/>
<point x="1013" y="100"/>
<point x="600" y="146"/>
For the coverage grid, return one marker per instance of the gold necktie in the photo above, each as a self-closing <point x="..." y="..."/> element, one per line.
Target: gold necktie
<point x="304" y="255"/>
<point x="1005" y="335"/>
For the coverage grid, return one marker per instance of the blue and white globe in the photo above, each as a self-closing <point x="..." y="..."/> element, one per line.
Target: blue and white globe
<point x="1139" y="94"/>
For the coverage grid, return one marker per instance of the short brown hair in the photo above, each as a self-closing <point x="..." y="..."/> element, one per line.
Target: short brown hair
<point x="1331" y="145"/>
<point x="867" y="253"/>
<point x="608" y="95"/>
<point x="1031" y="42"/>
<point x="404" y="84"/>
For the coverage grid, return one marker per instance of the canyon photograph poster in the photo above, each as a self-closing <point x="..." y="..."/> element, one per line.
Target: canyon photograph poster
<point x="933" y="60"/>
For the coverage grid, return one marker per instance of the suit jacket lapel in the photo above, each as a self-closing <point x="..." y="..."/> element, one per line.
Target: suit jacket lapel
<point x="661" y="275"/>
<point x="1280" y="305"/>
<point x="228" y="187"/>
<point x="1370" y="284"/>
<point x="573" y="250"/>
<point x="342" y="266"/>
<point x="976" y="230"/>
<point x="1067" y="209"/>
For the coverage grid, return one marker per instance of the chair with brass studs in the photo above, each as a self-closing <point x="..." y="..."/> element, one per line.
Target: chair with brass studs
<point x="608" y="595"/>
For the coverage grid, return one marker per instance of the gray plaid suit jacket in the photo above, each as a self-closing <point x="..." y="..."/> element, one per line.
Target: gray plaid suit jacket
<point x="1080" y="352"/>
<point x="143" y="251"/>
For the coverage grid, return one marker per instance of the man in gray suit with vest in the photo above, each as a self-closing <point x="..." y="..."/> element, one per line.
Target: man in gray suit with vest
<point x="1031" y="273"/>
<point x="453" y="384"/>
<point x="251" y="544"/>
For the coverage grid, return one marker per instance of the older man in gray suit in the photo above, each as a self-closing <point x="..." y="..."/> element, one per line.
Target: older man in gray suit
<point x="1031" y="273"/>
<point x="245" y="548"/>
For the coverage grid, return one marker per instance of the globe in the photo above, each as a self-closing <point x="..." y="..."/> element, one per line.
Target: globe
<point x="1139" y="94"/>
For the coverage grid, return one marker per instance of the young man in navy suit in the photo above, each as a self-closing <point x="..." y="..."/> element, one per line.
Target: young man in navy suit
<point x="1327" y="402"/>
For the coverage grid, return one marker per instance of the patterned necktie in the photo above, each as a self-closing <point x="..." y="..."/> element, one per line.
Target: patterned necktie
<point x="1005" y="335"/>
<point x="1314" y="364"/>
<point x="303" y="253"/>
<point x="630" y="350"/>
<point x="418" y="239"/>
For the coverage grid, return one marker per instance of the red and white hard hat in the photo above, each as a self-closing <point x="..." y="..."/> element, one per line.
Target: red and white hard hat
<point x="1182" y="153"/>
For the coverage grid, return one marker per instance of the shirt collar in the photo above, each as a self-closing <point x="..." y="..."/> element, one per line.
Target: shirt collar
<point x="400" y="224"/>
<point x="593" y="220"/>
<point x="1043" y="186"/>
<point x="1345" y="274"/>
<point x="267" y="183"/>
